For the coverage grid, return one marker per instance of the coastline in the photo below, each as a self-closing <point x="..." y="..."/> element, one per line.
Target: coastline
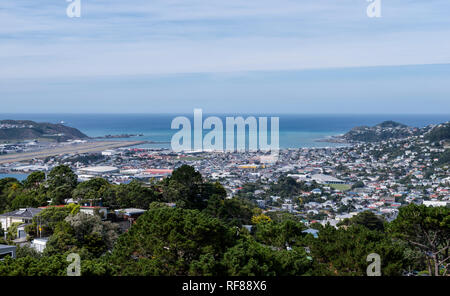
<point x="338" y="139"/>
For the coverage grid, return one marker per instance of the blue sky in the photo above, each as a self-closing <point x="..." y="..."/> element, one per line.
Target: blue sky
<point x="261" y="56"/>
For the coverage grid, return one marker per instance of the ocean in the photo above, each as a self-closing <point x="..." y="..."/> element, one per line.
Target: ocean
<point x="296" y="131"/>
<point x="19" y="177"/>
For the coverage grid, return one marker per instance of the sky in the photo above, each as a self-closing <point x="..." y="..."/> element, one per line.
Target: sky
<point x="233" y="56"/>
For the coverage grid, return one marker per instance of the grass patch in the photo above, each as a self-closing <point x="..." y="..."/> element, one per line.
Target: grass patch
<point x="341" y="187"/>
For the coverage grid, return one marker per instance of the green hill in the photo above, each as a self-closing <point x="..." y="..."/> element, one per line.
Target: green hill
<point x="439" y="133"/>
<point x="380" y="132"/>
<point x="19" y="130"/>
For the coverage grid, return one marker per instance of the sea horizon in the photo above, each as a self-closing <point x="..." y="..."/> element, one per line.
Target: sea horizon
<point x="295" y="130"/>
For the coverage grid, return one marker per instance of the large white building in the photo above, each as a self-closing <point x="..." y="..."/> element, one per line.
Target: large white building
<point x="98" y="170"/>
<point x="435" y="203"/>
<point x="326" y="179"/>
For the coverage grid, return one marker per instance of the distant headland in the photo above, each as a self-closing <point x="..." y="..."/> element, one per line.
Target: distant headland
<point x="391" y="130"/>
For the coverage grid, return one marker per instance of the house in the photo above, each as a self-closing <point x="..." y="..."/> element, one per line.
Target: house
<point x="287" y="207"/>
<point x="261" y="203"/>
<point x="39" y="244"/>
<point x="127" y="217"/>
<point x="316" y="191"/>
<point x="102" y="211"/>
<point x="130" y="213"/>
<point x="248" y="227"/>
<point x="6" y="250"/>
<point x="314" y="232"/>
<point x="23" y="216"/>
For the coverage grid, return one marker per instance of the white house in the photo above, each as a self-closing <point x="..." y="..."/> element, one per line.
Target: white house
<point x="102" y="211"/>
<point x="39" y="244"/>
<point x="19" y="216"/>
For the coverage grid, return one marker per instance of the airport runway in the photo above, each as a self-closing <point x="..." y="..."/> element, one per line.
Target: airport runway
<point x="89" y="147"/>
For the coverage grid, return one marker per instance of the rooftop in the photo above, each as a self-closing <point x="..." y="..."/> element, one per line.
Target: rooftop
<point x="7" y="247"/>
<point x="23" y="213"/>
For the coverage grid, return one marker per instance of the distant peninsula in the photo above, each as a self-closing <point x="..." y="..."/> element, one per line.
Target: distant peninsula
<point x="380" y="132"/>
<point x="20" y="130"/>
<point x="391" y="130"/>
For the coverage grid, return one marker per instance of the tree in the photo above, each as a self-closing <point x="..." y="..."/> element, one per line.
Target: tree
<point x="250" y="258"/>
<point x="62" y="175"/>
<point x="184" y="188"/>
<point x="359" y="184"/>
<point x="187" y="176"/>
<point x="426" y="229"/>
<point x="280" y="235"/>
<point x="344" y="251"/>
<point x="28" y="199"/>
<point x="173" y="241"/>
<point x="83" y="232"/>
<point x="90" y="191"/>
<point x="59" y="194"/>
<point x="261" y="218"/>
<point x="24" y="251"/>
<point x="366" y="219"/>
<point x="32" y="266"/>
<point x="133" y="195"/>
<point x="34" y="180"/>
<point x="48" y="219"/>
<point x="12" y="231"/>
<point x="9" y="189"/>
<point x="234" y="212"/>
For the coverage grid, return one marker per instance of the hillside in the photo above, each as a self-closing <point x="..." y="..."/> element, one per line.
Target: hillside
<point x="380" y="132"/>
<point x="11" y="130"/>
<point x="438" y="133"/>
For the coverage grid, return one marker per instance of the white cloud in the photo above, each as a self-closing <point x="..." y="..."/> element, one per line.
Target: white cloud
<point x="186" y="36"/>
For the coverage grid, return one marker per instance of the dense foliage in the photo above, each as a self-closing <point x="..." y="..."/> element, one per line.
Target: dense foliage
<point x="206" y="233"/>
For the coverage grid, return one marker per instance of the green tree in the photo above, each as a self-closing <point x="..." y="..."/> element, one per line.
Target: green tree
<point x="28" y="199"/>
<point x="250" y="258"/>
<point x="134" y="195"/>
<point x="83" y="231"/>
<point x="428" y="230"/>
<point x="48" y="218"/>
<point x="62" y="175"/>
<point x="173" y="241"/>
<point x="344" y="251"/>
<point x="234" y="211"/>
<point x="59" y="194"/>
<point x="184" y="188"/>
<point x="280" y="235"/>
<point x="366" y="219"/>
<point x="359" y="184"/>
<point x="90" y="191"/>
<point x="34" y="180"/>
<point x="32" y="266"/>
